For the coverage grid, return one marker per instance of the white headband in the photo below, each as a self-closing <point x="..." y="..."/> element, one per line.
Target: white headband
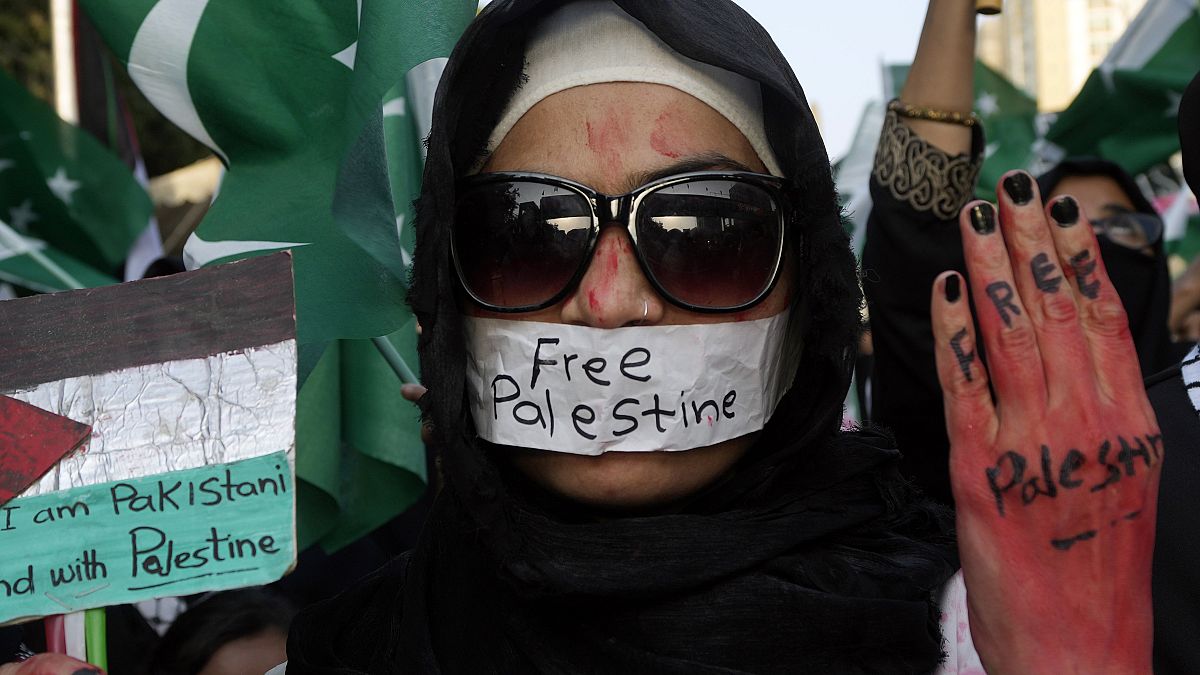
<point x="595" y="41"/>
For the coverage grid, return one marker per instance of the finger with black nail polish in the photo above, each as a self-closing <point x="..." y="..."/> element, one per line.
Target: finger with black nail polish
<point x="953" y="289"/>
<point x="1065" y="211"/>
<point x="983" y="218"/>
<point x="1019" y="187"/>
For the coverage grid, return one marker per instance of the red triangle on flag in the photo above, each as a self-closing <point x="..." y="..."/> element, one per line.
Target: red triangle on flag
<point x="31" y="441"/>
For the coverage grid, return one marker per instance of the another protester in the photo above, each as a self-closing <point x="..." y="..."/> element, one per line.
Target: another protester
<point x="794" y="548"/>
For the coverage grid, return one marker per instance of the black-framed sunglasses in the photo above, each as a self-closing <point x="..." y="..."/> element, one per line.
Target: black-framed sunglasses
<point x="708" y="241"/>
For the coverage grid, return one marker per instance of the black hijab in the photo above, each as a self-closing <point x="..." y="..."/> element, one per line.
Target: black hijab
<point x="1142" y="281"/>
<point x="812" y="555"/>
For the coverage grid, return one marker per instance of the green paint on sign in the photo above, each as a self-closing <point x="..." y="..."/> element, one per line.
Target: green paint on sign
<point x="222" y="526"/>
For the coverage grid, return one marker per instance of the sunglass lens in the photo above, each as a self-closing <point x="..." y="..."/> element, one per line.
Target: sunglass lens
<point x="520" y="243"/>
<point x="713" y="244"/>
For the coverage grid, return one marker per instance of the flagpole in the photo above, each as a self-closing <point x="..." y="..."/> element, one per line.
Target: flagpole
<point x="96" y="636"/>
<point x="20" y="245"/>
<point x="62" y="45"/>
<point x="399" y="366"/>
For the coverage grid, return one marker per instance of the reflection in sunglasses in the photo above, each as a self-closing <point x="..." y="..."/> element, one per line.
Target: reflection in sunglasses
<point x="570" y="223"/>
<point x="678" y="223"/>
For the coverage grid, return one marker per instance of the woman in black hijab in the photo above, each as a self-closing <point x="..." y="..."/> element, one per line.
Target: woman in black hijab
<point x="799" y="550"/>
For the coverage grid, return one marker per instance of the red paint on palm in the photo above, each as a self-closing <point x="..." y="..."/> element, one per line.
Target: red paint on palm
<point x="31" y="441"/>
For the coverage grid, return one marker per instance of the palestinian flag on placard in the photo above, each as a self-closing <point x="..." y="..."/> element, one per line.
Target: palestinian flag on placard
<point x="1128" y="109"/>
<point x="160" y="423"/>
<point x="1008" y="115"/>
<point x="287" y="93"/>
<point x="65" y="194"/>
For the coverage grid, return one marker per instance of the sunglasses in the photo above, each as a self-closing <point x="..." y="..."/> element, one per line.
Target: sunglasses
<point x="1134" y="230"/>
<point x="708" y="241"/>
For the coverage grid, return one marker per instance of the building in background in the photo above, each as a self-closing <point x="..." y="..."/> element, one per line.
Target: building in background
<point x="1048" y="47"/>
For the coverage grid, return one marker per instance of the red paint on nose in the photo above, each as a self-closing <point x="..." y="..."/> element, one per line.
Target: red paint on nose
<point x="594" y="303"/>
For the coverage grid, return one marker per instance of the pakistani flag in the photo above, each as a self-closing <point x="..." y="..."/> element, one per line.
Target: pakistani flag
<point x="28" y="262"/>
<point x="308" y="104"/>
<point x="1009" y="121"/>
<point x="1128" y="108"/>
<point x="63" y="194"/>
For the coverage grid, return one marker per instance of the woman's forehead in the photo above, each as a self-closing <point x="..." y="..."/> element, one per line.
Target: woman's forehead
<point x="605" y="135"/>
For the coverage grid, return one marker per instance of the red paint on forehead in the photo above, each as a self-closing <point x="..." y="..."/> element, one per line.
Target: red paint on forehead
<point x="607" y="138"/>
<point x="669" y="137"/>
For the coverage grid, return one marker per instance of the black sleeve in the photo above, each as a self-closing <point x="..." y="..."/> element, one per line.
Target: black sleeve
<point x="1176" y="573"/>
<point x="912" y="236"/>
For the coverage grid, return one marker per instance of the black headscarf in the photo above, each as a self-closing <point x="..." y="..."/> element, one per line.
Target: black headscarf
<point x="812" y="555"/>
<point x="1142" y="281"/>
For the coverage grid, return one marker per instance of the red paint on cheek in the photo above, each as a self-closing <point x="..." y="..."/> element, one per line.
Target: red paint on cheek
<point x="665" y="139"/>
<point x="740" y="316"/>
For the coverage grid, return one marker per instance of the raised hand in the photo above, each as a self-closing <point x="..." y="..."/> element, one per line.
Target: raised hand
<point x="1055" y="450"/>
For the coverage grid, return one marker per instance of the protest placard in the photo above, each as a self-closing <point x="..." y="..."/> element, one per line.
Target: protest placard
<point x="186" y="483"/>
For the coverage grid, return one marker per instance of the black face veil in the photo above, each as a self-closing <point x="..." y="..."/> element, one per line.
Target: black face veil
<point x="811" y="555"/>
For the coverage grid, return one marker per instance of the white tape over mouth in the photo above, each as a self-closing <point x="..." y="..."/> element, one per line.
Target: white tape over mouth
<point x="587" y="391"/>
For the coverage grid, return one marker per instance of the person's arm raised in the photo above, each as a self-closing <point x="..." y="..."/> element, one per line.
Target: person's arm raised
<point x="1056" y="477"/>
<point x="942" y="76"/>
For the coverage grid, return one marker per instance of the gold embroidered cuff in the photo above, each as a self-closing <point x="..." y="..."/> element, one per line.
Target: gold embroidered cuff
<point x="923" y="176"/>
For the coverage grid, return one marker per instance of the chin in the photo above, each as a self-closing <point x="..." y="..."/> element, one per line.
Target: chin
<point x="630" y="481"/>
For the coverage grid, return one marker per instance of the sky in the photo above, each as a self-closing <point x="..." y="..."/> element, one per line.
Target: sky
<point x="836" y="48"/>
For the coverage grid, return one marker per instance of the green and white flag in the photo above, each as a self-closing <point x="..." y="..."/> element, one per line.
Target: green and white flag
<point x="1009" y="121"/>
<point x="65" y="194"/>
<point x="31" y="264"/>
<point x="1128" y="109"/>
<point x="293" y="95"/>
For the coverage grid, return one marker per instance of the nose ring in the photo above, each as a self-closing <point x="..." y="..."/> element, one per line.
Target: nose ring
<point x="645" y="311"/>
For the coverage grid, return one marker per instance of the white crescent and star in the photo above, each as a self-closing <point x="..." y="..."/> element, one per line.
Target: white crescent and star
<point x="346" y="56"/>
<point x="158" y="64"/>
<point x="987" y="105"/>
<point x="62" y="186"/>
<point x="21" y="216"/>
<point x="197" y="252"/>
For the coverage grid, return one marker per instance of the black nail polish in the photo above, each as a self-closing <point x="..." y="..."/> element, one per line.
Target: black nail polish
<point x="1065" y="211"/>
<point x="983" y="218"/>
<point x="953" y="291"/>
<point x="1019" y="187"/>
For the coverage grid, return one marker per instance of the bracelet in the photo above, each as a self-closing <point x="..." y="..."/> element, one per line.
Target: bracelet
<point x="932" y="115"/>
